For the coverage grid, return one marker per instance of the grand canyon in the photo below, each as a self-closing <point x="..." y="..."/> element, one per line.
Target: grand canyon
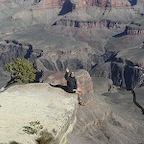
<point x="102" y="41"/>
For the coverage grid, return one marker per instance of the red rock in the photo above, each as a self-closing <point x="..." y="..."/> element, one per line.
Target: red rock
<point x="50" y="3"/>
<point x="83" y="3"/>
<point x="101" y="3"/>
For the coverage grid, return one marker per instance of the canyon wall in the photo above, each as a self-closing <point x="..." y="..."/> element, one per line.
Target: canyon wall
<point x="113" y="3"/>
<point x="86" y="3"/>
<point x="122" y="74"/>
<point x="101" y="3"/>
<point x="90" y="24"/>
<point x="135" y="30"/>
<point x="50" y="3"/>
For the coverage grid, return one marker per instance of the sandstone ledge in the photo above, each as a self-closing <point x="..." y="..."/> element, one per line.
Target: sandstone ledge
<point x="54" y="108"/>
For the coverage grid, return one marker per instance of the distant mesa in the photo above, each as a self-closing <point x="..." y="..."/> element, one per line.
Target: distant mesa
<point x="85" y="4"/>
<point x="101" y="3"/>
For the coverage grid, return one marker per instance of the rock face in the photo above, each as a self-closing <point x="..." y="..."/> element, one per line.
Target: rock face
<point x="73" y="58"/>
<point x="101" y="3"/>
<point x="90" y="24"/>
<point x="53" y="108"/>
<point x="110" y="118"/>
<point x="113" y="3"/>
<point x="83" y="3"/>
<point x="124" y="75"/>
<point x="50" y="3"/>
<point x="10" y="50"/>
<point x="135" y="30"/>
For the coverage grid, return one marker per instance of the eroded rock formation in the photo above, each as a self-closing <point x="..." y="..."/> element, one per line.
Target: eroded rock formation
<point x="135" y="30"/>
<point x="90" y="24"/>
<point x="60" y="59"/>
<point x="101" y="3"/>
<point x="123" y="74"/>
<point x="50" y="3"/>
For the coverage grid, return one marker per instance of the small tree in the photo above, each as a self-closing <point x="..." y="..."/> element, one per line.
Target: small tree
<point x="21" y="71"/>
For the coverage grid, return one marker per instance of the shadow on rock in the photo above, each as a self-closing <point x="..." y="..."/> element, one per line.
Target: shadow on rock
<point x="60" y="86"/>
<point x="66" y="8"/>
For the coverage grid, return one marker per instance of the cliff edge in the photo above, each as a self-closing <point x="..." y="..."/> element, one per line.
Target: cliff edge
<point x="36" y="108"/>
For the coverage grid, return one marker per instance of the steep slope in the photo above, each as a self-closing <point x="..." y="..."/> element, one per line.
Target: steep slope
<point x="109" y="118"/>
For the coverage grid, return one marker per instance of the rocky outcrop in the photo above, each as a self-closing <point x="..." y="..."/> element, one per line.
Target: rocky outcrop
<point x="113" y="4"/>
<point x="124" y="75"/>
<point x="60" y="59"/>
<point x="109" y="119"/>
<point x="102" y="3"/>
<point x="84" y="81"/>
<point x="10" y="50"/>
<point x="54" y="109"/>
<point x="83" y="3"/>
<point x="90" y="24"/>
<point x="136" y="30"/>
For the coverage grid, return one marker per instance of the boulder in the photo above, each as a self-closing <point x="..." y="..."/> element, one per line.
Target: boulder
<point x="84" y="80"/>
<point x="40" y="104"/>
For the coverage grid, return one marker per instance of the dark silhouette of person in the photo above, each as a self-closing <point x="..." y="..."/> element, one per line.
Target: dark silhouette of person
<point x="71" y="81"/>
<point x="72" y="85"/>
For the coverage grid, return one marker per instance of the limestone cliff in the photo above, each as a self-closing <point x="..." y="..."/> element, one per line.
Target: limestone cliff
<point x="90" y="24"/>
<point x="52" y="107"/>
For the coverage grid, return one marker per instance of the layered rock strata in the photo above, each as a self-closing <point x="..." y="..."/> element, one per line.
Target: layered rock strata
<point x="90" y="24"/>
<point x="50" y="3"/>
<point x="53" y="108"/>
<point x="135" y="30"/>
<point x="124" y="75"/>
<point x="60" y="59"/>
<point x="101" y="3"/>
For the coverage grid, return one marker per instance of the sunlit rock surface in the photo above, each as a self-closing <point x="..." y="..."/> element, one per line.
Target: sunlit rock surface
<point x="19" y="105"/>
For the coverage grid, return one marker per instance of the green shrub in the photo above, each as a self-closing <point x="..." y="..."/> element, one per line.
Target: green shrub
<point x="21" y="71"/>
<point x="45" y="138"/>
<point x="33" y="128"/>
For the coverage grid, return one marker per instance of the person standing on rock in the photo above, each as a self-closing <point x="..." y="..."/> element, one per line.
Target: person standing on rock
<point x="72" y="85"/>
